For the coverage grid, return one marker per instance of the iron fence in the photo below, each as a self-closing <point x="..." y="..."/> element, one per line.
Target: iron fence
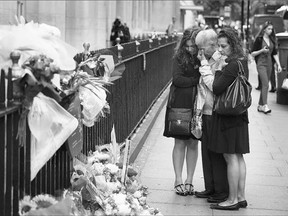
<point x="148" y="70"/>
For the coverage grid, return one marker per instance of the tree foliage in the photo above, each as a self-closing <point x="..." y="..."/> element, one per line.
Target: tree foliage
<point x="213" y="7"/>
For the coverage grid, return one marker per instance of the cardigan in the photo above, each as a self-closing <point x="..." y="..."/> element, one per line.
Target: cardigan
<point x="258" y="45"/>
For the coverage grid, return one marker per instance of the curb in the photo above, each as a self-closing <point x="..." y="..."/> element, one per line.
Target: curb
<point x="139" y="137"/>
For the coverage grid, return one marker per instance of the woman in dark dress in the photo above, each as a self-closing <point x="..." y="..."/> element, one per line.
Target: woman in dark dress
<point x="184" y="84"/>
<point x="230" y="133"/>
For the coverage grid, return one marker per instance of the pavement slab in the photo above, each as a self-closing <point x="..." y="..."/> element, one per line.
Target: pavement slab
<point x="267" y="165"/>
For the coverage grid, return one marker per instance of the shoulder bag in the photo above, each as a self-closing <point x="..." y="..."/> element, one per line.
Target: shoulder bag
<point x="178" y="119"/>
<point x="285" y="83"/>
<point x="237" y="97"/>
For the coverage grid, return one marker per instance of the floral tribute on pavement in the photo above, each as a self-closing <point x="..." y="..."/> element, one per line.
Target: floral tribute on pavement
<point x="97" y="188"/>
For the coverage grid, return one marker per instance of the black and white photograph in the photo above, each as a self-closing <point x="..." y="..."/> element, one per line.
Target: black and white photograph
<point x="143" y="107"/>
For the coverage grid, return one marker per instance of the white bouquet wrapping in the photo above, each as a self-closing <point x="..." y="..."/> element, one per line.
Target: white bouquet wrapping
<point x="93" y="100"/>
<point x="34" y="39"/>
<point x="50" y="126"/>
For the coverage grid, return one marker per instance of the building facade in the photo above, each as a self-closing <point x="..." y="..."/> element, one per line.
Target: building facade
<point x="91" y="21"/>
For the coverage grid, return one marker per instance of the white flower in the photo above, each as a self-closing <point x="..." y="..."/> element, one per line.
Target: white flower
<point x="124" y="209"/>
<point x="119" y="198"/>
<point x="142" y="200"/>
<point x="97" y="168"/>
<point x="98" y="156"/>
<point x="113" y="169"/>
<point x="81" y="170"/>
<point x="144" y="212"/>
<point x="99" y="212"/>
<point x="135" y="205"/>
<point x="26" y="205"/>
<point x="44" y="200"/>
<point x="113" y="187"/>
<point x="108" y="209"/>
<point x="137" y="194"/>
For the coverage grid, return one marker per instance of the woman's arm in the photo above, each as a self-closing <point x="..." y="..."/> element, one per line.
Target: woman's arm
<point x="257" y="47"/>
<point x="224" y="78"/>
<point x="263" y="50"/>
<point x="276" y="57"/>
<point x="207" y="74"/>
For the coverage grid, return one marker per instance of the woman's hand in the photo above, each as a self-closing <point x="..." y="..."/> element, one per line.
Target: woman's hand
<point x="265" y="49"/>
<point x="279" y="68"/>
<point x="220" y="64"/>
<point x="201" y="55"/>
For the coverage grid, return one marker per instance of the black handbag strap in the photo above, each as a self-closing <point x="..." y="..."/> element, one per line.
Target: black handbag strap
<point x="171" y="96"/>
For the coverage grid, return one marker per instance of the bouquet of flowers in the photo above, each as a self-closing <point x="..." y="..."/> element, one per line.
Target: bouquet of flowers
<point x="38" y="74"/>
<point x="89" y="80"/>
<point x="96" y="189"/>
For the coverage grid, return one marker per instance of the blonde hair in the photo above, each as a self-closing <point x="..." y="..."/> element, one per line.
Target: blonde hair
<point x="205" y="36"/>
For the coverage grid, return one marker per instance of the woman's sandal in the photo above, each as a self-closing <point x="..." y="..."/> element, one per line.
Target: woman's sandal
<point x="180" y="190"/>
<point x="189" y="188"/>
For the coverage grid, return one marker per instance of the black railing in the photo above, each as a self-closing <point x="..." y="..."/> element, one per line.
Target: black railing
<point x="148" y="70"/>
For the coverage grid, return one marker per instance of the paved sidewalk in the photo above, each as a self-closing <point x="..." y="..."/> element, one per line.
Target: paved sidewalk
<point x="267" y="166"/>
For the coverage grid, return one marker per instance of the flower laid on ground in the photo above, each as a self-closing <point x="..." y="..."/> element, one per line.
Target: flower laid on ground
<point x="44" y="201"/>
<point x="26" y="205"/>
<point x="96" y="190"/>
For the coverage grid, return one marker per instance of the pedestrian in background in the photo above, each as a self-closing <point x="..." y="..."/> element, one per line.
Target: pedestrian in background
<point x="171" y="27"/>
<point x="185" y="68"/>
<point x="214" y="165"/>
<point x="117" y="31"/>
<point x="264" y="49"/>
<point x="126" y="33"/>
<point x="230" y="132"/>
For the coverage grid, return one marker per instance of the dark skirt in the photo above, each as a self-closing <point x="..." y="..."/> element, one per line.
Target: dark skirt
<point x="229" y="134"/>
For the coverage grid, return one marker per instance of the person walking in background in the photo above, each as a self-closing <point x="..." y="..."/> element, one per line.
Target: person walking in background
<point x="272" y="78"/>
<point x="229" y="133"/>
<point x="126" y="32"/>
<point x="186" y="75"/>
<point x="214" y="165"/>
<point x="117" y="32"/>
<point x="171" y="27"/>
<point x="263" y="49"/>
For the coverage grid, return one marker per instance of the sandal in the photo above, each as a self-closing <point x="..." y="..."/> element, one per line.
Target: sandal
<point x="189" y="188"/>
<point x="180" y="190"/>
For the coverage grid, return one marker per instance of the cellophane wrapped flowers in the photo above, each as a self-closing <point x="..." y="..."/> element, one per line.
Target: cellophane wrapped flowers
<point x="96" y="189"/>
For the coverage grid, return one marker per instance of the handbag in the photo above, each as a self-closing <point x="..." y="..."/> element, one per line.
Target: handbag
<point x="178" y="119"/>
<point x="237" y="97"/>
<point x="285" y="84"/>
<point x="196" y="123"/>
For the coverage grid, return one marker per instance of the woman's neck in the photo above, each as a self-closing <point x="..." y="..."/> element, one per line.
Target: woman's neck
<point x="266" y="36"/>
